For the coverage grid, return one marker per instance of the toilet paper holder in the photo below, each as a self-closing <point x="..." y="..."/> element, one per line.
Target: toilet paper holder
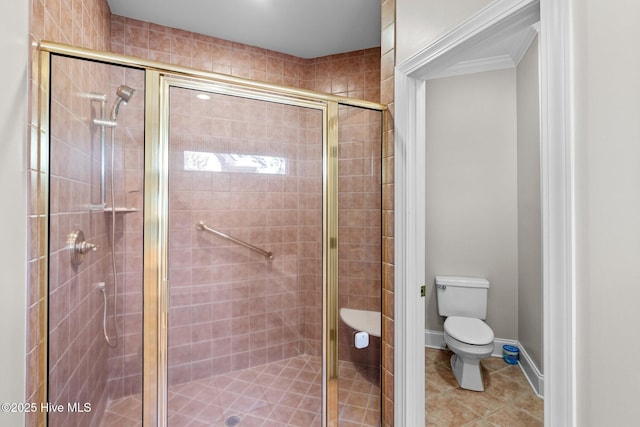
<point x="361" y="339"/>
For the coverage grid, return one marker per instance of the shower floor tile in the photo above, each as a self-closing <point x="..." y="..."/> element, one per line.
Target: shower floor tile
<point x="283" y="393"/>
<point x="507" y="400"/>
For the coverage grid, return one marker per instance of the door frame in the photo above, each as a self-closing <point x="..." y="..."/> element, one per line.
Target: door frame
<point x="156" y="247"/>
<point x="557" y="197"/>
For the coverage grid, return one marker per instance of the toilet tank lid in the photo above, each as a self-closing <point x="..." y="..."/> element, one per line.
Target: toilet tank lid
<point x="468" y="282"/>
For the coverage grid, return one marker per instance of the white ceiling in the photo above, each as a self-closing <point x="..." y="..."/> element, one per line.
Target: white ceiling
<point x="303" y="28"/>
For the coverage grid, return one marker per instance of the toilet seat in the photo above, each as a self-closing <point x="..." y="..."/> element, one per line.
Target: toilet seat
<point x="468" y="330"/>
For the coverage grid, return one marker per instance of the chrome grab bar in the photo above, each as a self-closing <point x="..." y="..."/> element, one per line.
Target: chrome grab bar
<point x="202" y="226"/>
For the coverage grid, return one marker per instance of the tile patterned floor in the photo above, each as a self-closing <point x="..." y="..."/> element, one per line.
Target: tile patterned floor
<point x="287" y="393"/>
<point x="284" y="393"/>
<point x="507" y="400"/>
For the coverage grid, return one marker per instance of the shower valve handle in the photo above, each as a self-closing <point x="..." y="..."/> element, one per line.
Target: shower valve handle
<point x="84" y="247"/>
<point x="78" y="247"/>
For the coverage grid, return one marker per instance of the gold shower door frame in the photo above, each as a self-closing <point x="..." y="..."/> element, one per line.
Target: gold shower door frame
<point x="159" y="78"/>
<point x="156" y="248"/>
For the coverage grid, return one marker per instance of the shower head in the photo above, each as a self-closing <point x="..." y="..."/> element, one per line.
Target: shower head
<point x="124" y="93"/>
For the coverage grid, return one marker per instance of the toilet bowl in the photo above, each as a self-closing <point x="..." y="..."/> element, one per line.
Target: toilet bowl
<point x="471" y="340"/>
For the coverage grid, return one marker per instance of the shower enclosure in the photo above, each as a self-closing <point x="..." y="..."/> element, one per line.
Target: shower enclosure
<point x="204" y="235"/>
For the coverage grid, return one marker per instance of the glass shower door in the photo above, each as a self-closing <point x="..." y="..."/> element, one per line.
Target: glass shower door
<point x="94" y="327"/>
<point x="360" y="263"/>
<point x="245" y="269"/>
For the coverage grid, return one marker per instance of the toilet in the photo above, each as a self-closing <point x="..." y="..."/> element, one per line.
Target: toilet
<point x="463" y="301"/>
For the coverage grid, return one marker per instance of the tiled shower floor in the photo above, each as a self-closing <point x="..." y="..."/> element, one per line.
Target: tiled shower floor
<point x="283" y="393"/>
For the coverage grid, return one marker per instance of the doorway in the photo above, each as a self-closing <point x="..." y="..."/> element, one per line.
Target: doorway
<point x="495" y="22"/>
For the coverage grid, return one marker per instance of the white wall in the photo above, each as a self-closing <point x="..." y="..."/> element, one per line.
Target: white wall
<point x="607" y="147"/>
<point x="530" y="307"/>
<point x="14" y="30"/>
<point x="421" y="22"/>
<point x="471" y="190"/>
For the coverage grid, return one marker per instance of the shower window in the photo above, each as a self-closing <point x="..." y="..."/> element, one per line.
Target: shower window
<point x="229" y="162"/>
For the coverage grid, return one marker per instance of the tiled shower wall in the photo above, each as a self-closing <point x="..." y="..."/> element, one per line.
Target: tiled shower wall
<point x="354" y="74"/>
<point x="387" y="85"/>
<point x="232" y="308"/>
<point x="85" y="24"/>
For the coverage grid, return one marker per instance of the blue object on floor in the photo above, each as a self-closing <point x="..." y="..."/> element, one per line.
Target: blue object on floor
<point x="510" y="354"/>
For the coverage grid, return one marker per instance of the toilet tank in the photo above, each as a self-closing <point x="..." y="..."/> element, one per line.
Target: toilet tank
<point x="462" y="296"/>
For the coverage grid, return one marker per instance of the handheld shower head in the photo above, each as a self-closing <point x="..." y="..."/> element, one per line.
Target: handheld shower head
<point x="124" y="93"/>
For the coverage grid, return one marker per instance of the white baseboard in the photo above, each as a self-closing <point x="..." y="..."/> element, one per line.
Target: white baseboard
<point x="531" y="372"/>
<point x="435" y="339"/>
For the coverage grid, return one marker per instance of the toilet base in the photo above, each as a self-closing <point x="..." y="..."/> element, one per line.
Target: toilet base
<point x="467" y="372"/>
